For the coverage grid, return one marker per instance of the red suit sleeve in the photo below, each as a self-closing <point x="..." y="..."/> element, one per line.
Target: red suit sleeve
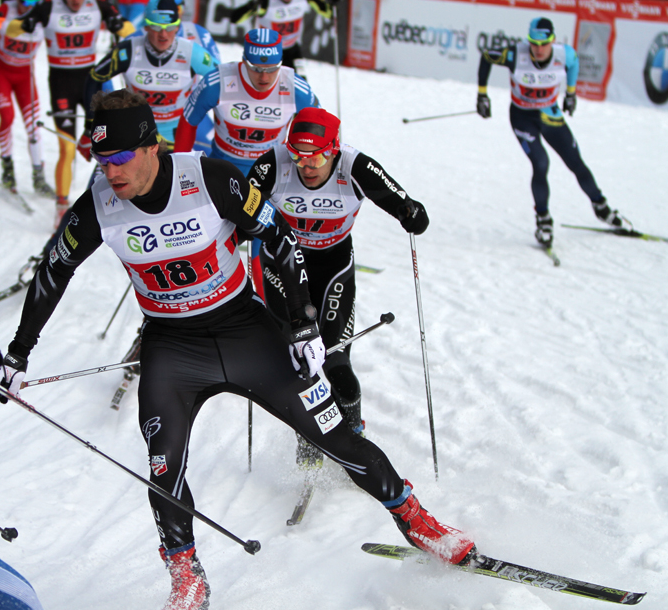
<point x="184" y="137"/>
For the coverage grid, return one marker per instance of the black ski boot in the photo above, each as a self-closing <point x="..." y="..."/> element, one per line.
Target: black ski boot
<point x="8" y="178"/>
<point x="543" y="232"/>
<point x="611" y="217"/>
<point x="39" y="182"/>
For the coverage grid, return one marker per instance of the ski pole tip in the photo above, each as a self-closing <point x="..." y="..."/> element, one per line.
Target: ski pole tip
<point x="387" y="318"/>
<point x="9" y="533"/>
<point x="405" y="120"/>
<point x="252" y="546"/>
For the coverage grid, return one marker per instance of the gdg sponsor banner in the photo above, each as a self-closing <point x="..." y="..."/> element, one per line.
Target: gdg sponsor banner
<point x="622" y="44"/>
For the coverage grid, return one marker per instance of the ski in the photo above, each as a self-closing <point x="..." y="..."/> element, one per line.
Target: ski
<point x="20" y="199"/>
<point x="367" y="269"/>
<point x="619" y="231"/>
<point x="13" y="289"/>
<point x="550" y="252"/>
<point x="129" y="374"/>
<point x="22" y="282"/>
<point x="553" y="255"/>
<point x="505" y="570"/>
<point x="121" y="391"/>
<point x="303" y="502"/>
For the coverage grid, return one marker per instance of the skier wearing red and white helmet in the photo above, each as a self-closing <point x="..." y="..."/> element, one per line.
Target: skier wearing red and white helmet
<point x="320" y="191"/>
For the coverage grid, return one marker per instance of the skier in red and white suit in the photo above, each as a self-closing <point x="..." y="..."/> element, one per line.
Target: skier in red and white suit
<point x="17" y="54"/>
<point x="71" y="29"/>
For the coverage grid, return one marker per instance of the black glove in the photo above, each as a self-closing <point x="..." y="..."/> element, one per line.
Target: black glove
<point x="115" y="23"/>
<point x="415" y="219"/>
<point x="484" y="106"/>
<point x="13" y="372"/>
<point x="28" y="22"/>
<point x="570" y="102"/>
<point x="323" y="7"/>
<point x="248" y="10"/>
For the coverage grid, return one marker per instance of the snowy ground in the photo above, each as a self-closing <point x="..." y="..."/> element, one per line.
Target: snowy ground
<point x="549" y="386"/>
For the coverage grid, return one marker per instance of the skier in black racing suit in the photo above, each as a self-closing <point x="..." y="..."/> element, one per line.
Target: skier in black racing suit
<point x="172" y="219"/>
<point x="318" y="186"/>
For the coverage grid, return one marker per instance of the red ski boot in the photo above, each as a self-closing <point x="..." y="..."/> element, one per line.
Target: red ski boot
<point x="190" y="588"/>
<point x="424" y="532"/>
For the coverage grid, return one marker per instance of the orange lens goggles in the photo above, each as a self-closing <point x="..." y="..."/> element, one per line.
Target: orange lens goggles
<point x="316" y="159"/>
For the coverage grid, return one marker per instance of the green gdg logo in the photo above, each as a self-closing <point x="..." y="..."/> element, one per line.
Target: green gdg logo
<point x="140" y="240"/>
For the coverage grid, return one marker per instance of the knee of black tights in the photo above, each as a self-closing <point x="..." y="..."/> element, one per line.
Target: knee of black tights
<point x="347" y="393"/>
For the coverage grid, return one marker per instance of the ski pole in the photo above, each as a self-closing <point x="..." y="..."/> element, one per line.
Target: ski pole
<point x="386" y="318"/>
<point x="62" y="136"/>
<point x="99" y="369"/>
<point x="425" y="362"/>
<point x="8" y="533"/>
<point x="335" y="18"/>
<point x="104" y="334"/>
<point x="440" y="116"/>
<point x="33" y="110"/>
<point x="249" y="266"/>
<point x="250" y="546"/>
<point x="65" y="114"/>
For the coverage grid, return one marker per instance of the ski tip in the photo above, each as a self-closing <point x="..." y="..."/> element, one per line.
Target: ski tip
<point x="638" y="597"/>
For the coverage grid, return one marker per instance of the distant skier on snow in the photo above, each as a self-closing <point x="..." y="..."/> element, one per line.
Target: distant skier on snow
<point x="538" y="67"/>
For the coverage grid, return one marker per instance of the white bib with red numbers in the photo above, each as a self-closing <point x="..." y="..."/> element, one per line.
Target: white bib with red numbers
<point x="319" y="218"/>
<point x="532" y="87"/>
<point x="183" y="261"/>
<point x="71" y="37"/>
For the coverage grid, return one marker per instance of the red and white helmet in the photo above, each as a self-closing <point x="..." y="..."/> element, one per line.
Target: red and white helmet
<point x="314" y="126"/>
